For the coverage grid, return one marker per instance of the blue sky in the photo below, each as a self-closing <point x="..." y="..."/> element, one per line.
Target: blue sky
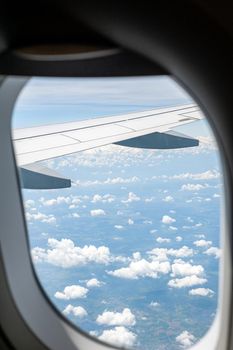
<point x="133" y="246"/>
<point x="47" y="101"/>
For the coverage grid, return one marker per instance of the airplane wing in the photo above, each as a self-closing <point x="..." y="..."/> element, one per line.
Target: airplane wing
<point x="151" y="129"/>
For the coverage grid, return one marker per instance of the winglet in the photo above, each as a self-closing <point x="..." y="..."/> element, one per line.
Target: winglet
<point x="35" y="176"/>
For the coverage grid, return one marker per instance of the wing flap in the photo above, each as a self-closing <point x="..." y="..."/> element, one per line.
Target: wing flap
<point x="35" y="176"/>
<point x="158" y="140"/>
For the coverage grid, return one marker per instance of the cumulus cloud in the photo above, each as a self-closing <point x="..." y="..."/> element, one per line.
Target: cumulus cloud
<point x="153" y="231"/>
<point x="166" y="219"/>
<point x="55" y="201"/>
<point x="142" y="268"/>
<point x="107" y="198"/>
<point x="97" y="212"/>
<point x="200" y="235"/>
<point x="154" y="304"/>
<point x="130" y="221"/>
<point x="203" y="292"/>
<point x="77" y="311"/>
<point x="192" y="187"/>
<point x="118" y="227"/>
<point x="48" y="219"/>
<point x="148" y="200"/>
<point x="179" y="238"/>
<point x="185" y="339"/>
<point x="207" y="175"/>
<point x="109" y="181"/>
<point x="147" y="222"/>
<point x="168" y="199"/>
<point x="214" y="251"/>
<point x="181" y="268"/>
<point x="29" y="203"/>
<point x="187" y="281"/>
<point x="72" y="292"/>
<point x="163" y="240"/>
<point x="173" y="228"/>
<point x="120" y="180"/>
<point x="202" y="243"/>
<point x="137" y="256"/>
<point x="93" y="282"/>
<point x="119" y="336"/>
<point x="132" y="197"/>
<point x="182" y="252"/>
<point x="110" y="318"/>
<point x="65" y="254"/>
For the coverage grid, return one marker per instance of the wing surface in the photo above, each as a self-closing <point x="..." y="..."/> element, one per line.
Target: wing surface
<point x="148" y="129"/>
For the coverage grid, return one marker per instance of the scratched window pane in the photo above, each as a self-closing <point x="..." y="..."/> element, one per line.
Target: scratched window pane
<point x="121" y="182"/>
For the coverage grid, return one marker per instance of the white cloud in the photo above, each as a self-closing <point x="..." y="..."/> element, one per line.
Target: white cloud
<point x="204" y="292"/>
<point x="147" y="222"/>
<point x="118" y="227"/>
<point x="48" y="219"/>
<point x="109" y="181"/>
<point x="192" y="187"/>
<point x="130" y="221"/>
<point x="216" y="252"/>
<point x="137" y="256"/>
<point x="107" y="198"/>
<point x="55" y="201"/>
<point x="148" y="200"/>
<point x="181" y="268"/>
<point x="72" y="292"/>
<point x="202" y="243"/>
<point x="132" y="197"/>
<point x="119" y="336"/>
<point x="187" y="281"/>
<point x="97" y="212"/>
<point x="29" y="203"/>
<point x="153" y="231"/>
<point x="179" y="238"/>
<point x="120" y="180"/>
<point x="182" y="252"/>
<point x="65" y="254"/>
<point x="163" y="240"/>
<point x="96" y="198"/>
<point x="166" y="219"/>
<point x="94" y="333"/>
<point x="173" y="228"/>
<point x="207" y="175"/>
<point x="142" y="268"/>
<point x="154" y="304"/>
<point x="110" y="318"/>
<point x="75" y="215"/>
<point x="168" y="199"/>
<point x="93" y="282"/>
<point x="77" y="311"/>
<point x="185" y="339"/>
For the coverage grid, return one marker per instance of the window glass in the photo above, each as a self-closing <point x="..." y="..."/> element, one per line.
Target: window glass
<point x="130" y="251"/>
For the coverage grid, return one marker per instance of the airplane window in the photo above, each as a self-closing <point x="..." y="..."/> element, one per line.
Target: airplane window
<point x="122" y="183"/>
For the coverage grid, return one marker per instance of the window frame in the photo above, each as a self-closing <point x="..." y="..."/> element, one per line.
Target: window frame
<point x="36" y="310"/>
